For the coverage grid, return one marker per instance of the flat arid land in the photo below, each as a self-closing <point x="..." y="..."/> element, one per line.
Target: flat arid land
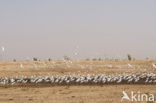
<point x="72" y="93"/>
<point x="12" y="69"/>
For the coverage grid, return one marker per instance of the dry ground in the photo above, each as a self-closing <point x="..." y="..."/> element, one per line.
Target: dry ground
<point x="12" y="69"/>
<point x="72" y="94"/>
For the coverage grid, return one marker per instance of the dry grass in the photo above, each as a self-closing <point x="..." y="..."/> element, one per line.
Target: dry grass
<point x="72" y="94"/>
<point x="10" y="69"/>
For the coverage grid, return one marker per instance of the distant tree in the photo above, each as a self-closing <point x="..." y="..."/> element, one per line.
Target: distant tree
<point x="129" y="57"/>
<point x="49" y="59"/>
<point x="66" y="58"/>
<point x="87" y="59"/>
<point x="14" y="60"/>
<point x="99" y="59"/>
<point x="147" y="58"/>
<point x="35" y="59"/>
<point x="94" y="59"/>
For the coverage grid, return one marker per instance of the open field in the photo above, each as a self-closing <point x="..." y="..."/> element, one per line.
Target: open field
<point x="71" y="94"/>
<point x="75" y="93"/>
<point x="12" y="69"/>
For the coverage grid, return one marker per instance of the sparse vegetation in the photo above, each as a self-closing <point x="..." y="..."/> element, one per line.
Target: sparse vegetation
<point x="35" y="59"/>
<point x="99" y="59"/>
<point x="94" y="59"/>
<point x="129" y="57"/>
<point x="49" y="59"/>
<point x="66" y="58"/>
<point x="14" y="60"/>
<point x="58" y="68"/>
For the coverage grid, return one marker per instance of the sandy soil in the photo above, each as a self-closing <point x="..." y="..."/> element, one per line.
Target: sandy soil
<point x="12" y="69"/>
<point x="72" y="94"/>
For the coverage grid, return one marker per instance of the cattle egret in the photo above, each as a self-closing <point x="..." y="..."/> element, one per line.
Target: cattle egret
<point x="130" y="66"/>
<point x="21" y="66"/>
<point x="154" y="65"/>
<point x="3" y="49"/>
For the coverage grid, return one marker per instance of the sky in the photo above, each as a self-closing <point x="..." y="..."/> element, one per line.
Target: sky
<point x="79" y="29"/>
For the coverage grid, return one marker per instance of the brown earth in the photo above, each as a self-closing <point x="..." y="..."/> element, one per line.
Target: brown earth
<point x="12" y="69"/>
<point x="71" y="94"/>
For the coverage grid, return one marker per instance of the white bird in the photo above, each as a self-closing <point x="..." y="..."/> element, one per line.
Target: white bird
<point x="130" y="66"/>
<point x="21" y="66"/>
<point x="39" y="80"/>
<point x="154" y="65"/>
<point x="3" y="49"/>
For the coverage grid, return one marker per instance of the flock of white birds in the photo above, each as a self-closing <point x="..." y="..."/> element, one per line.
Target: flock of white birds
<point x="76" y="79"/>
<point x="145" y="78"/>
<point x="131" y="78"/>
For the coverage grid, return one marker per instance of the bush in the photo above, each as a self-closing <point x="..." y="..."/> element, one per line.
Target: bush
<point x="94" y="59"/>
<point x="35" y="59"/>
<point x="99" y="59"/>
<point x="129" y="57"/>
<point x="14" y="60"/>
<point x="49" y="59"/>
<point x="66" y="58"/>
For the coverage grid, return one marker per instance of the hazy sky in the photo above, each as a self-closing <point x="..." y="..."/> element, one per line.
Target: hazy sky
<point x="91" y="28"/>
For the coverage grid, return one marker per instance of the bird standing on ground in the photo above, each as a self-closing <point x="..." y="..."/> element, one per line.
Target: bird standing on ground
<point x="154" y="65"/>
